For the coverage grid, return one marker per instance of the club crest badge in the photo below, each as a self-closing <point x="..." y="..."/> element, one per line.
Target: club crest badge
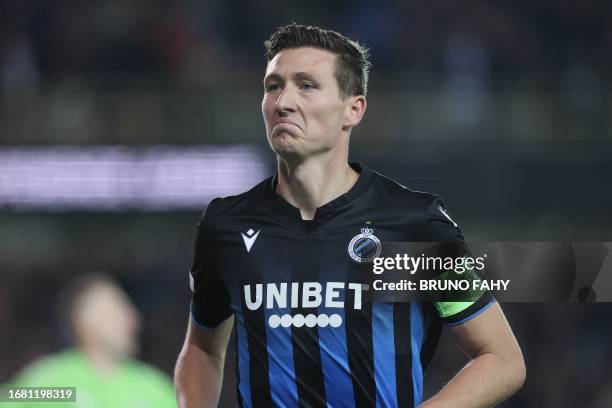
<point x="365" y="246"/>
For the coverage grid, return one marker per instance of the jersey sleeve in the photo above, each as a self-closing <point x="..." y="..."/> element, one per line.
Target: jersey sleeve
<point x="439" y="227"/>
<point x="210" y="304"/>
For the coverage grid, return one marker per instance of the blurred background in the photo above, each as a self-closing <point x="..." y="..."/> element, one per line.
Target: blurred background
<point x="120" y="120"/>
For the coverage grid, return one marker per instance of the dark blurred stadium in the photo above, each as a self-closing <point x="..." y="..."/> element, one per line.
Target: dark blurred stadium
<point x="120" y="120"/>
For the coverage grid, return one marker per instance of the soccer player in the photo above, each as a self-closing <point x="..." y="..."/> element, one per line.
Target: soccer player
<point x="103" y="325"/>
<point x="283" y="263"/>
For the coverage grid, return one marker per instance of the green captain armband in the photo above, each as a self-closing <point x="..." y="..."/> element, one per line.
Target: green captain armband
<point x="458" y="306"/>
<point x="447" y="309"/>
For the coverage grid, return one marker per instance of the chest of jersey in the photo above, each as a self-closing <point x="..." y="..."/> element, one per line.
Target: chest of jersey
<point x="309" y="267"/>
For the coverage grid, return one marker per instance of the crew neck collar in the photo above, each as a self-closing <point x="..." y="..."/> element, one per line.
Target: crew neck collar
<point x="363" y="181"/>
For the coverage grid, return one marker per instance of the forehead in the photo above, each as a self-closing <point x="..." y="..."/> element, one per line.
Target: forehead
<point x="304" y="59"/>
<point x="102" y="293"/>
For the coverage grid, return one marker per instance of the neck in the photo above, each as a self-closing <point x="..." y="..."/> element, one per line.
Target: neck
<point x="104" y="363"/>
<point x="312" y="183"/>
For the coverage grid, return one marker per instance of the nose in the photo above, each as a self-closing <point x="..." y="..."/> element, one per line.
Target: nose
<point x="285" y="102"/>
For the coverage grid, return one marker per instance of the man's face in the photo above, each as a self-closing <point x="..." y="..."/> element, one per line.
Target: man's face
<point x="108" y="320"/>
<point x="302" y="108"/>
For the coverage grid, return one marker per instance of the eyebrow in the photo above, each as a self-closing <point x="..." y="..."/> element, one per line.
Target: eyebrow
<point x="298" y="76"/>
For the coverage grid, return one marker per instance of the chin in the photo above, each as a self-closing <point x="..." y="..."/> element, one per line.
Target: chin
<point x="283" y="145"/>
<point x="125" y="349"/>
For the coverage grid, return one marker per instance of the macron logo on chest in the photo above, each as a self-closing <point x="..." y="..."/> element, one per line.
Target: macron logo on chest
<point x="249" y="238"/>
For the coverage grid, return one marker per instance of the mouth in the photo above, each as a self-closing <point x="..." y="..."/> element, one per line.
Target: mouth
<point x="284" y="123"/>
<point x="285" y="128"/>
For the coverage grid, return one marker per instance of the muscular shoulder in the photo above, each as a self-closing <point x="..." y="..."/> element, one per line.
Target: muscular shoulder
<point x="427" y="209"/>
<point x="220" y="208"/>
<point x="392" y="191"/>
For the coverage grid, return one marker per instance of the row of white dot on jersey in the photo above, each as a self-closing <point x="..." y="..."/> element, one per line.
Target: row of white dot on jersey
<point x="310" y="320"/>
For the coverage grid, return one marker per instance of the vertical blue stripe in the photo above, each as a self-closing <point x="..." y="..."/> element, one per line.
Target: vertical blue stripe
<point x="243" y="360"/>
<point x="384" y="354"/>
<point x="417" y="336"/>
<point x="280" y="361"/>
<point x="334" y="362"/>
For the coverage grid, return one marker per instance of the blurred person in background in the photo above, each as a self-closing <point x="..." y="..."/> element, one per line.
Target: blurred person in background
<point x="103" y="325"/>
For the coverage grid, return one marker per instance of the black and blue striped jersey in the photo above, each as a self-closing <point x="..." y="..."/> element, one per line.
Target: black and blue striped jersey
<point x="306" y="335"/>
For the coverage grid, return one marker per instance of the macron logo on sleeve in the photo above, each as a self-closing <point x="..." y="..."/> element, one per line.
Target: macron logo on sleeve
<point x="249" y="238"/>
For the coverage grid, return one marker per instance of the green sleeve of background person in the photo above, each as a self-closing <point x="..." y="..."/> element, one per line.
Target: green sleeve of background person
<point x="133" y="385"/>
<point x="464" y="300"/>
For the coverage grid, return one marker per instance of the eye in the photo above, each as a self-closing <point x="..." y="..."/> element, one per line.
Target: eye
<point x="307" y="86"/>
<point x="272" y="87"/>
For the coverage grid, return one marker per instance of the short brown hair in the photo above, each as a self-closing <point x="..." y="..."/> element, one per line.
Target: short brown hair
<point x="352" y="65"/>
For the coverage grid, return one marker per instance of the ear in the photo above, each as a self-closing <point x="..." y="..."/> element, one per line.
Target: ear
<point x="355" y="109"/>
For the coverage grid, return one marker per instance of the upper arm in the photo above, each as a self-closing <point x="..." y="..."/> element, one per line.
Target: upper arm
<point x="211" y="315"/>
<point x="211" y="301"/>
<point x="454" y="307"/>
<point x="212" y="341"/>
<point x="478" y="324"/>
<point x="489" y="332"/>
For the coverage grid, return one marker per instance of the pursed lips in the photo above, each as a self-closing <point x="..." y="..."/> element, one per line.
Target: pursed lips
<point x="286" y="122"/>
